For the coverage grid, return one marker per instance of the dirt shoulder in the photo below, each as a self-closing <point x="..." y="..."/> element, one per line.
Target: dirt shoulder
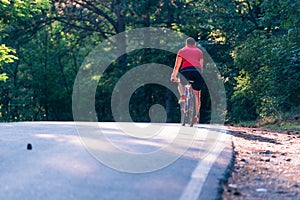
<point x="266" y="165"/>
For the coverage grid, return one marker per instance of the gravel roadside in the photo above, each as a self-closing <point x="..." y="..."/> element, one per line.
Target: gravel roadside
<point x="266" y="165"/>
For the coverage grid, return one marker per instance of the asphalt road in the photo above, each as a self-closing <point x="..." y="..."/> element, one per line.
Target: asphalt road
<point x="65" y="162"/>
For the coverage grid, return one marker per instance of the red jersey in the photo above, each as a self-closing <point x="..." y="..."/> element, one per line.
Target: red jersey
<point x="191" y="56"/>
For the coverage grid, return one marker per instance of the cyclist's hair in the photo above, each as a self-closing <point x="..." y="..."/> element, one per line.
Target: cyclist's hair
<point x="190" y="41"/>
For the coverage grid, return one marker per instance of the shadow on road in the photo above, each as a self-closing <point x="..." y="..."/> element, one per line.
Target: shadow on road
<point x="247" y="136"/>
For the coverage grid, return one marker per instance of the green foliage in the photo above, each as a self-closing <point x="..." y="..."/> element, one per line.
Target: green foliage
<point x="242" y="98"/>
<point x="6" y="56"/>
<point x="3" y="77"/>
<point x="254" y="43"/>
<point x="12" y="15"/>
<point x="273" y="76"/>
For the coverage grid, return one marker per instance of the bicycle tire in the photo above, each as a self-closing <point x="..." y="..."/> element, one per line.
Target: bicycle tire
<point x="183" y="114"/>
<point x="191" y="110"/>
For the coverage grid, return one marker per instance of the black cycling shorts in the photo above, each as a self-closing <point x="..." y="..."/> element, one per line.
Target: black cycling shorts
<point x="191" y="74"/>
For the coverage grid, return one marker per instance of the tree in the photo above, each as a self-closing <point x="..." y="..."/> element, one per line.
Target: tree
<point x="16" y="24"/>
<point x="254" y="43"/>
<point x="6" y="56"/>
<point x="267" y="61"/>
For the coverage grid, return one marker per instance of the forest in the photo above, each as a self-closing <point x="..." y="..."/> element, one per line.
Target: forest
<point x="255" y="45"/>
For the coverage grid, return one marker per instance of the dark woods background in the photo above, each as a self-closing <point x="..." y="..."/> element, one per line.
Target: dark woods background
<point x="255" y="44"/>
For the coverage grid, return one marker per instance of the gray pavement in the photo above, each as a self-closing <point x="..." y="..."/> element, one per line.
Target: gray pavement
<point x="60" y="166"/>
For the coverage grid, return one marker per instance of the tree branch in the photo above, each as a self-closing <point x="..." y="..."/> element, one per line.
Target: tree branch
<point x="98" y="11"/>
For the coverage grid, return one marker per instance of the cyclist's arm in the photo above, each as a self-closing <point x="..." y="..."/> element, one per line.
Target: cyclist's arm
<point x="177" y="66"/>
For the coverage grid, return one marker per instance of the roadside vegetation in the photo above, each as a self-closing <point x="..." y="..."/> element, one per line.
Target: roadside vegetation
<point x="254" y="43"/>
<point x="289" y="123"/>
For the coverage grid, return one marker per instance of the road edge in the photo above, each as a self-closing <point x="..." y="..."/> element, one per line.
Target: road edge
<point x="219" y="173"/>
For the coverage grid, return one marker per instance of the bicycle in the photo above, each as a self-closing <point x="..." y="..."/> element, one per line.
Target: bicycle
<point x="188" y="107"/>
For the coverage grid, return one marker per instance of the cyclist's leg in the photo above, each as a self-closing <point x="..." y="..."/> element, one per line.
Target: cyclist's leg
<point x="181" y="89"/>
<point x="184" y="76"/>
<point x="197" y="94"/>
<point x="197" y="78"/>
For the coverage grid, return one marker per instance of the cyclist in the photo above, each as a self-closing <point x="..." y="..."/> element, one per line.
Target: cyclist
<point x="189" y="62"/>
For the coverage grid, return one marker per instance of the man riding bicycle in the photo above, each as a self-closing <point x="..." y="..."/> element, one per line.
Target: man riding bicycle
<point x="189" y="62"/>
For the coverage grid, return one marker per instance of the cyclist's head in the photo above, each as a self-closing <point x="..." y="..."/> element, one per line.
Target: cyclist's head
<point x="190" y="41"/>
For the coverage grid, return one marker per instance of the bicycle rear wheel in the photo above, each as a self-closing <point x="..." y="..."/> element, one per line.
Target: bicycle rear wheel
<point x="191" y="111"/>
<point x="183" y="113"/>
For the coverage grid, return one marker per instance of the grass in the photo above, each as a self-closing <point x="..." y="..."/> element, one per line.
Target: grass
<point x="247" y="124"/>
<point x="284" y="126"/>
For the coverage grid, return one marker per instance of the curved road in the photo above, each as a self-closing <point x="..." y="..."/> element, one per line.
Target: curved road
<point x="66" y="164"/>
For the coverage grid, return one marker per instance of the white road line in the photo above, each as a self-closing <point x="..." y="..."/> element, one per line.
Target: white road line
<point x="199" y="175"/>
